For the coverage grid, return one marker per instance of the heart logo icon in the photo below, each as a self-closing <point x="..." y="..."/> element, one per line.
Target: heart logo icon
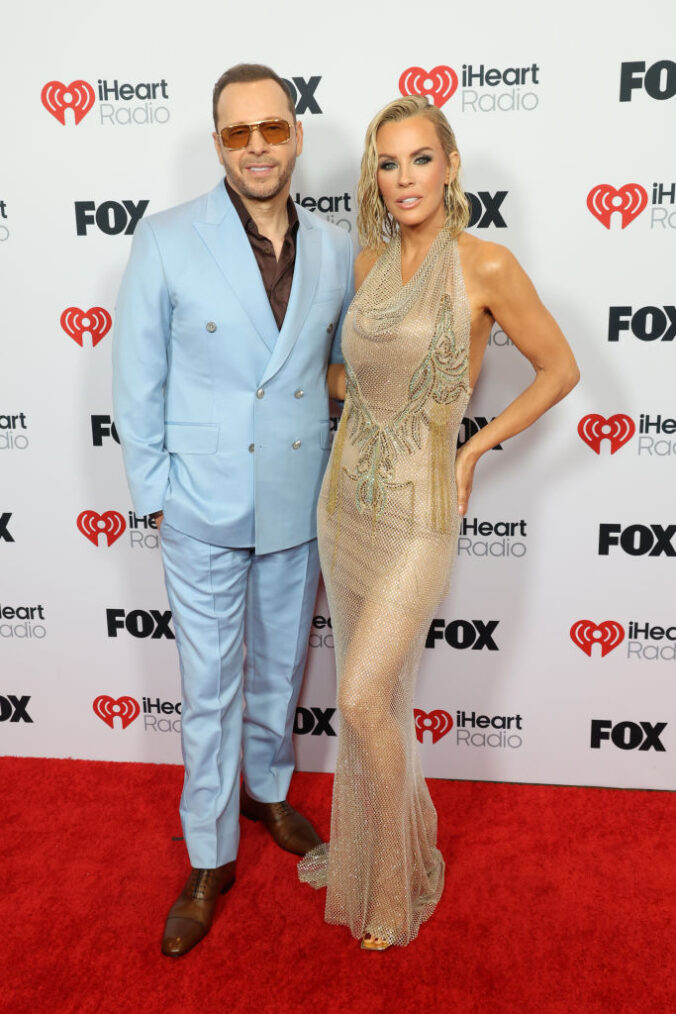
<point x="76" y="322"/>
<point x="110" y="523"/>
<point x="616" y="429"/>
<point x="586" y="634"/>
<point x="629" y="200"/>
<point x="439" y="83"/>
<point x="124" y="708"/>
<point x="437" y="722"/>
<point x="57" y="98"/>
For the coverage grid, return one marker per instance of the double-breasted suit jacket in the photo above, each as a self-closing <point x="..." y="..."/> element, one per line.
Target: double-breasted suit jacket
<point x="223" y="418"/>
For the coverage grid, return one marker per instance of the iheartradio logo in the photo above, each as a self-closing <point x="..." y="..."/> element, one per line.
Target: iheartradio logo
<point x="586" y="634"/>
<point x="92" y="525"/>
<point x="436" y="722"/>
<point x="439" y="83"/>
<point x="76" y="323"/>
<point x="629" y="200"/>
<point x="57" y="98"/>
<point x="616" y="429"/>
<point x="124" y="708"/>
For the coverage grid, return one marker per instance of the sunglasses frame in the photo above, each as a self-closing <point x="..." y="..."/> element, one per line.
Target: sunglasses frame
<point x="255" y="126"/>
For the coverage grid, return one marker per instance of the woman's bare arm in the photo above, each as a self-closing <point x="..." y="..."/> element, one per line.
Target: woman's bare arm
<point x="511" y="299"/>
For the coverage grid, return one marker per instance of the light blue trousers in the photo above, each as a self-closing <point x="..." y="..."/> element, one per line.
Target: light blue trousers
<point x="222" y="599"/>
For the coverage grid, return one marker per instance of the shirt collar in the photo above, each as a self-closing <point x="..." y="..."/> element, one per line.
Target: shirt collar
<point x="246" y="219"/>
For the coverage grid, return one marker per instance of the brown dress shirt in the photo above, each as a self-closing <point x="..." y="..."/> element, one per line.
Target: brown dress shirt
<point x="277" y="275"/>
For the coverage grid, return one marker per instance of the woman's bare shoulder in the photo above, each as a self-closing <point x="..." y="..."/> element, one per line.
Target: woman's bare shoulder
<point x="482" y="258"/>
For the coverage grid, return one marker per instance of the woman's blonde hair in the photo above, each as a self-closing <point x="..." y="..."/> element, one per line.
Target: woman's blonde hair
<point x="374" y="222"/>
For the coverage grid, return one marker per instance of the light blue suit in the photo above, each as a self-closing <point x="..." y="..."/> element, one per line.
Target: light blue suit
<point x="224" y="426"/>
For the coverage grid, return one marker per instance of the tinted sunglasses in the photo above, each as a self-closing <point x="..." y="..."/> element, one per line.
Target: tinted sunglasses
<point x="272" y="131"/>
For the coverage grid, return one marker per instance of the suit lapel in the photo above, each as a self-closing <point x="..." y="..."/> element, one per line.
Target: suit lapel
<point x="305" y="278"/>
<point x="227" y="242"/>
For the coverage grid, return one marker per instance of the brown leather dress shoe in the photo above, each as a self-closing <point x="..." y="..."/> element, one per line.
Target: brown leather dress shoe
<point x="190" y="916"/>
<point x="290" y="829"/>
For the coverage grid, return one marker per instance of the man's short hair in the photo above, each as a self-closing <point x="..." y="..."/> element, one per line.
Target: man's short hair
<point x="245" y="73"/>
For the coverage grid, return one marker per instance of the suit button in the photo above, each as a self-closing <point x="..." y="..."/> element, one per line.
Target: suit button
<point x="299" y="393"/>
<point x="260" y="393"/>
<point x="329" y="329"/>
<point x="252" y="448"/>
<point x="211" y="327"/>
<point x="296" y="445"/>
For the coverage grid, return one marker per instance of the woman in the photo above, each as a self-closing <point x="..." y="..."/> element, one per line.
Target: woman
<point x="389" y="509"/>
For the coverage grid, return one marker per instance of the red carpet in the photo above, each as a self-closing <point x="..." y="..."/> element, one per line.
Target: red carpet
<point x="556" y="900"/>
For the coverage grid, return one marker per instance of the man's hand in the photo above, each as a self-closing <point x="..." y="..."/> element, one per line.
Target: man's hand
<point x="158" y="517"/>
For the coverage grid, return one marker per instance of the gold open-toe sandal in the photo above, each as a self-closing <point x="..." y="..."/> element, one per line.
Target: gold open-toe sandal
<point x="369" y="942"/>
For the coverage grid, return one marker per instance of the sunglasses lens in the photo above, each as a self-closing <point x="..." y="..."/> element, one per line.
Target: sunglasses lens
<point x="275" y="131"/>
<point x="236" y="137"/>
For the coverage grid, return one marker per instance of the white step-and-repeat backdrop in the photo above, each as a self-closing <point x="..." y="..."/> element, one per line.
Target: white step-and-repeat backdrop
<point x="554" y="657"/>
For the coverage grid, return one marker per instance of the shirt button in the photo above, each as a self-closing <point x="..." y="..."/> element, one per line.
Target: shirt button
<point x="299" y="393"/>
<point x="252" y="448"/>
<point x="329" y="329"/>
<point x="296" y="445"/>
<point x="211" y="327"/>
<point x="260" y="393"/>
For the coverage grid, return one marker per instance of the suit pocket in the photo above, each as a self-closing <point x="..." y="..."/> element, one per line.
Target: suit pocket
<point x="190" y="438"/>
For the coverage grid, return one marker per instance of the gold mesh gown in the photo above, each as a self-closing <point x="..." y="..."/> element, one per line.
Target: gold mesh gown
<point x="388" y="527"/>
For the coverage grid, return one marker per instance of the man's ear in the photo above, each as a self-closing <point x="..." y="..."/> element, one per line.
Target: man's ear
<point x="217" y="146"/>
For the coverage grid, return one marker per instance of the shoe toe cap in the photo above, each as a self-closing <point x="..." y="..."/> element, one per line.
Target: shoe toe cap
<point x="180" y="937"/>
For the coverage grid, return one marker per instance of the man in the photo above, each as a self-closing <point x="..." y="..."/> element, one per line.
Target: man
<point x="227" y="317"/>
